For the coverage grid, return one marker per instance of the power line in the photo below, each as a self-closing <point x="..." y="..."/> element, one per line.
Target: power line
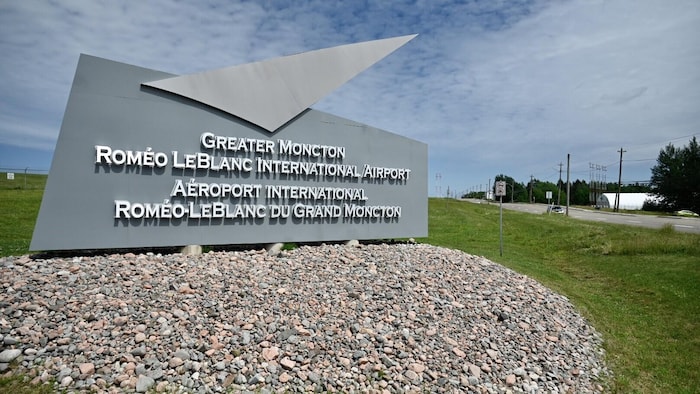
<point x="438" y="188"/>
<point x="661" y="142"/>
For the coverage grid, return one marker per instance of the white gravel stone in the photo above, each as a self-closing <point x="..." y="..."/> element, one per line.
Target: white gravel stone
<point x="8" y="355"/>
<point x="329" y="318"/>
<point x="144" y="383"/>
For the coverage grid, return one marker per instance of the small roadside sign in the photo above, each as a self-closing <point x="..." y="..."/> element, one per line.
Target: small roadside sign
<point x="500" y="192"/>
<point x="500" y="188"/>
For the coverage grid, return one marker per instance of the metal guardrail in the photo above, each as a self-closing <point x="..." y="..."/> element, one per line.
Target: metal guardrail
<point x="26" y="170"/>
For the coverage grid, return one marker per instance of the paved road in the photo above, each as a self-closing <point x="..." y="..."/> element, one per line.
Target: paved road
<point x="683" y="224"/>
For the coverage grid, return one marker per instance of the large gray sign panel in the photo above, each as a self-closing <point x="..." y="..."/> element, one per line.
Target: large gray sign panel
<point x="143" y="163"/>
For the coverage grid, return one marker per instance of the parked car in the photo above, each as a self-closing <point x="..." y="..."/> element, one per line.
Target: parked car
<point x="686" y="212"/>
<point x="555" y="209"/>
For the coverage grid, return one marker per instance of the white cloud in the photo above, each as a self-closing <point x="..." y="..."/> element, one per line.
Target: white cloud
<point x="492" y="86"/>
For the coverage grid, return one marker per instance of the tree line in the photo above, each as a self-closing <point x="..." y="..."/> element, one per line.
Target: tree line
<point x="675" y="183"/>
<point x="581" y="192"/>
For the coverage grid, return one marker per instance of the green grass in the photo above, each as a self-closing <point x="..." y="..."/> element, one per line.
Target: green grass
<point x="639" y="287"/>
<point x="19" y="205"/>
<point x="19" y="385"/>
<point x="22" y="182"/>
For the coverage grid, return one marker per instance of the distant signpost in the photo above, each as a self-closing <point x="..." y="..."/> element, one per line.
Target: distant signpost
<point x="500" y="192"/>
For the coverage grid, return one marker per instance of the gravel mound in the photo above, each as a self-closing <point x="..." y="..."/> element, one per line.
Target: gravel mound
<point x="329" y="318"/>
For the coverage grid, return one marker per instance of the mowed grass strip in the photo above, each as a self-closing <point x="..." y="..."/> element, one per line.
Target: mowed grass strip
<point x="19" y="205"/>
<point x="639" y="287"/>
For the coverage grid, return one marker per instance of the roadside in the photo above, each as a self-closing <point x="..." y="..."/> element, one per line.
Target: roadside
<point x="679" y="223"/>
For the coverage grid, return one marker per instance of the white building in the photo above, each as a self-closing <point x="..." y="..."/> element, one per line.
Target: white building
<point x="628" y="201"/>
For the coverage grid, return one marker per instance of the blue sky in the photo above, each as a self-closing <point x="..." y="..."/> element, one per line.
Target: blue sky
<point x="491" y="86"/>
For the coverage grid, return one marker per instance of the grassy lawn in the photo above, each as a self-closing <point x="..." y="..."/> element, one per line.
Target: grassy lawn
<point x="639" y="287"/>
<point x="17" y="385"/>
<point x="19" y="205"/>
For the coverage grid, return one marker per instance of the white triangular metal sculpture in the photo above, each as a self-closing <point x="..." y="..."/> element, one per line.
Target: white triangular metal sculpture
<point x="272" y="92"/>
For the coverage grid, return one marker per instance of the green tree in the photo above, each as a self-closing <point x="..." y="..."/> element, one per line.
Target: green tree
<point x="675" y="179"/>
<point x="636" y="188"/>
<point x="515" y="192"/>
<point x="580" y="193"/>
<point x="540" y="189"/>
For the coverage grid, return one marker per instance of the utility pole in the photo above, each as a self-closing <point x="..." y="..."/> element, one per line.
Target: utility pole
<point x="568" y="184"/>
<point x="488" y="191"/>
<point x="531" y="181"/>
<point x="512" y="190"/>
<point x="559" y="186"/>
<point x="438" y="190"/>
<point x="598" y="181"/>
<point x="619" y="183"/>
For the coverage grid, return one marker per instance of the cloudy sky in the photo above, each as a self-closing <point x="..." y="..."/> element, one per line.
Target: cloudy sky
<point x="492" y="86"/>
